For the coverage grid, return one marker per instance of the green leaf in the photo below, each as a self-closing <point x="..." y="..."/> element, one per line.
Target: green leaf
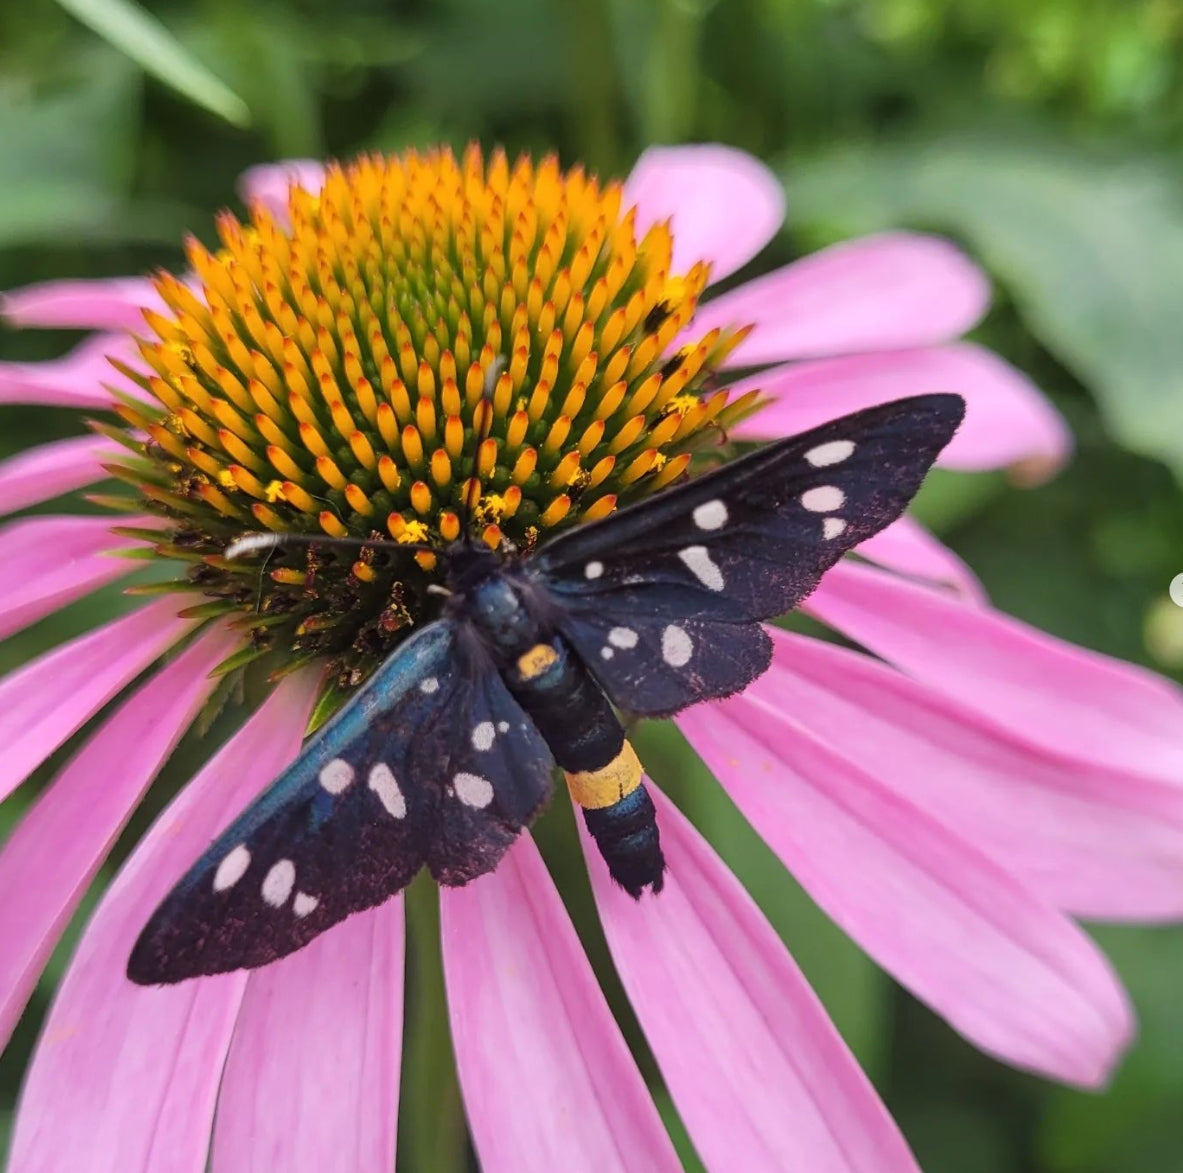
<point x="148" y="43"/>
<point x="68" y="151"/>
<point x="1089" y="243"/>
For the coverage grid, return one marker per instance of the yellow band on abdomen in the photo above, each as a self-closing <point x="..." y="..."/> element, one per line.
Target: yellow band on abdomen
<point x="596" y="789"/>
<point x="536" y="661"/>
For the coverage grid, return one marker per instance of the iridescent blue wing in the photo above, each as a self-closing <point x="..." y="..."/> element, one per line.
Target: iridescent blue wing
<point x="432" y="762"/>
<point x="660" y="599"/>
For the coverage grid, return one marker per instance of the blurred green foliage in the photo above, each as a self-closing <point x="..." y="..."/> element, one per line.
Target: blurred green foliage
<point x="1043" y="134"/>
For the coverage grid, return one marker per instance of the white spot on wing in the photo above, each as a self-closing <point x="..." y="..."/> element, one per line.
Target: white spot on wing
<point x="502" y="726"/>
<point x="384" y="784"/>
<point x="279" y="882"/>
<point x="484" y="735"/>
<point x="833" y="527"/>
<point x="473" y="790"/>
<point x="622" y="637"/>
<point x="593" y="570"/>
<point x="607" y="653"/>
<point x="676" y="646"/>
<point x="232" y="868"/>
<point x="336" y="776"/>
<point x="823" y="499"/>
<point x="698" y="561"/>
<point x="429" y="685"/>
<point x="835" y="452"/>
<point x="304" y="904"/>
<point x="711" y="515"/>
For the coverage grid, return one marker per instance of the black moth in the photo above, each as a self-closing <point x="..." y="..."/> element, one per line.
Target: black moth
<point x="446" y="752"/>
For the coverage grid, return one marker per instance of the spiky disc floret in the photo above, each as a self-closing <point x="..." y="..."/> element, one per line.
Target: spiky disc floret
<point x="330" y="376"/>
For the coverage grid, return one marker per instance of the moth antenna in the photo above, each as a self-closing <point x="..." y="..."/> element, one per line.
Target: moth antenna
<point x="480" y="433"/>
<point x="249" y="543"/>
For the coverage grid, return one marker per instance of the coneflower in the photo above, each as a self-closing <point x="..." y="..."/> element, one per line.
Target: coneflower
<point x="949" y="801"/>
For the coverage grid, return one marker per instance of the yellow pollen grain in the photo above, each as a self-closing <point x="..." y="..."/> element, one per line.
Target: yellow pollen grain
<point x="273" y="491"/>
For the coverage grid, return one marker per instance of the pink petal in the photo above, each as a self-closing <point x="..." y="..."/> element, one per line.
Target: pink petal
<point x="1088" y="841"/>
<point x="760" y="1077"/>
<point x="75" y="380"/>
<point x="547" y="1078"/>
<point x="886" y="292"/>
<point x="1067" y="700"/>
<point x="39" y="474"/>
<point x="269" y="183"/>
<point x="58" y="847"/>
<point x="110" y="303"/>
<point x="1007" y="421"/>
<point x="51" y="561"/>
<point x="311" y="1082"/>
<point x="49" y="698"/>
<point x="908" y="547"/>
<point x="124" y="1078"/>
<point x="725" y="204"/>
<point x="1014" y="976"/>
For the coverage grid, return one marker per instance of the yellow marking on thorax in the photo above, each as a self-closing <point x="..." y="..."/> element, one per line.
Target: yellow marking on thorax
<point x="596" y="789"/>
<point x="536" y="661"/>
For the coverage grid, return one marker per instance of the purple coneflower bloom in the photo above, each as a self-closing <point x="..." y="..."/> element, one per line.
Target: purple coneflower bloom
<point x="951" y="801"/>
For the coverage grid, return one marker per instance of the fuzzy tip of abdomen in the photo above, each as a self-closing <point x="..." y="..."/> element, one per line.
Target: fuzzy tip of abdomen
<point x="627" y="836"/>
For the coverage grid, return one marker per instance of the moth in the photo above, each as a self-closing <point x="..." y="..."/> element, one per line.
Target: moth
<point x="446" y="753"/>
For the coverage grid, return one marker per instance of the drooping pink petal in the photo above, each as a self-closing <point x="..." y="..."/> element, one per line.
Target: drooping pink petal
<point x="108" y="303"/>
<point x="311" y="1081"/>
<point x="39" y="474"/>
<point x="725" y="204"/>
<point x="1089" y="841"/>
<point x="124" y="1078"/>
<point x="1008" y="421"/>
<point x="760" y="1076"/>
<point x="885" y="292"/>
<point x="58" y="847"/>
<point x="1014" y="976"/>
<point x="908" y="547"/>
<point x="49" y="698"/>
<point x="269" y="183"/>
<point x="1068" y="700"/>
<point x="51" y="561"/>
<point x="547" y="1078"/>
<point x="75" y="380"/>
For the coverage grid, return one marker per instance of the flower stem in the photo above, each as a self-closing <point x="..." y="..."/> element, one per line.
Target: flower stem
<point x="432" y="1132"/>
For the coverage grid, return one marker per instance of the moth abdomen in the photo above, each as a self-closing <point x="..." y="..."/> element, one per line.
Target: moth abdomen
<point x="627" y="837"/>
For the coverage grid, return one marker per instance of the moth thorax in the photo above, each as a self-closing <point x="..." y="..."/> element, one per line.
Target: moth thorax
<point x="496" y="607"/>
